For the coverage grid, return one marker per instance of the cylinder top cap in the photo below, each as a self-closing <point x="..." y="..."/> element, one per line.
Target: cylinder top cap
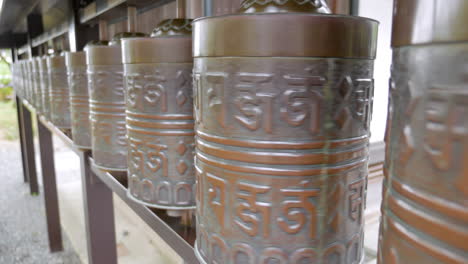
<point x="285" y="34"/>
<point x="56" y="62"/>
<point x="429" y="21"/>
<point x="116" y="40"/>
<point x="280" y="6"/>
<point x="96" y="43"/>
<point x="74" y="59"/>
<point x="173" y="27"/>
<point x="170" y="42"/>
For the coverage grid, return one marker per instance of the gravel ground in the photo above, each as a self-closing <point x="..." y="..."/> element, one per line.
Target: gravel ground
<point x="23" y="235"/>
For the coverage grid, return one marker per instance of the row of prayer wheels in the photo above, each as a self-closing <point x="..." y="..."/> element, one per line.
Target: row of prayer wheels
<point x="260" y="122"/>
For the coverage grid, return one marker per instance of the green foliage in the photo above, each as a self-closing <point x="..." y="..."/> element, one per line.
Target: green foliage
<point x="6" y="90"/>
<point x="6" y="93"/>
<point x="8" y="121"/>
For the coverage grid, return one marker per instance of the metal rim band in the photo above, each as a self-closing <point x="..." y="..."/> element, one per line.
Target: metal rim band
<point x="104" y="55"/>
<point x="419" y="22"/>
<point x="155" y="50"/>
<point x="157" y="206"/>
<point x="285" y="35"/>
<point x="75" y="59"/>
<point x="201" y="260"/>
<point x="109" y="169"/>
<point x="56" y="62"/>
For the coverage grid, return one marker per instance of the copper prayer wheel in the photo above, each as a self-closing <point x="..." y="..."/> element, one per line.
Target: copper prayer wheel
<point x="107" y="106"/>
<point x="32" y="92"/>
<point x="24" y="79"/>
<point x="16" y="77"/>
<point x="27" y="77"/>
<point x="20" y="84"/>
<point x="425" y="194"/>
<point x="79" y="99"/>
<point x="44" y="82"/>
<point x="282" y="100"/>
<point x="160" y="116"/>
<point x="59" y="93"/>
<point x="36" y="82"/>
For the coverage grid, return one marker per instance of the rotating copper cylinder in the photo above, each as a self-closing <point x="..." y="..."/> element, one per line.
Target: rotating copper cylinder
<point x="20" y="86"/>
<point x="59" y="93"/>
<point x="79" y="99"/>
<point x="15" y="77"/>
<point x="24" y="84"/>
<point x="28" y="90"/>
<point x="282" y="102"/>
<point x="160" y="116"/>
<point x="45" y="88"/>
<point x="36" y="84"/>
<point x="107" y="106"/>
<point x="425" y="194"/>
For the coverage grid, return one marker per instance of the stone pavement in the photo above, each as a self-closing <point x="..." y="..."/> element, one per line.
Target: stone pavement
<point x="23" y="235"/>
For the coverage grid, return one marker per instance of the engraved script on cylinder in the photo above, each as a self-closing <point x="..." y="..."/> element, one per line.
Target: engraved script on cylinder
<point x="161" y="135"/>
<point x="107" y="114"/>
<point x="281" y="158"/>
<point x="424" y="208"/>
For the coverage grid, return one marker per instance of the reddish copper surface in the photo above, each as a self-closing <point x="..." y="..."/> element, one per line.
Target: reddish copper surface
<point x="281" y="158"/>
<point x="160" y="133"/>
<point x="59" y="92"/>
<point x="160" y="117"/>
<point x="45" y="87"/>
<point x="79" y="99"/>
<point x="107" y="106"/>
<point x="36" y="85"/>
<point x="425" y="197"/>
<point x="282" y="107"/>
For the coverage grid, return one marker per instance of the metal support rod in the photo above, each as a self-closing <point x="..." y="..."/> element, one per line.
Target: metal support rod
<point x="50" y="188"/>
<point x="21" y="139"/>
<point x="99" y="215"/>
<point x="180" y="8"/>
<point x="102" y="29"/>
<point x="131" y="19"/>
<point x="207" y="8"/>
<point x="29" y="150"/>
<point x="354" y="7"/>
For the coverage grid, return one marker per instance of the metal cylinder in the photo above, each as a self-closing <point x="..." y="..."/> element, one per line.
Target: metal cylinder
<point x="23" y="79"/>
<point x="19" y="87"/>
<point x="59" y="93"/>
<point x="36" y="84"/>
<point x="79" y="99"/>
<point x="107" y="106"/>
<point x="28" y="91"/>
<point x="160" y="116"/>
<point x="425" y="194"/>
<point x="45" y="88"/>
<point x="282" y="104"/>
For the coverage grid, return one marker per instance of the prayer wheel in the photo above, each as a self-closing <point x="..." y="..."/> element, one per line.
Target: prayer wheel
<point x="24" y="79"/>
<point x="36" y="84"/>
<point x="27" y="77"/>
<point x="107" y="100"/>
<point x="59" y="93"/>
<point x="79" y="99"/>
<point x="44" y="82"/>
<point x="282" y="99"/>
<point x="425" y="193"/>
<point x="31" y="82"/>
<point x="160" y="116"/>
<point x="15" y="72"/>
<point x="107" y="106"/>
<point x="19" y="83"/>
